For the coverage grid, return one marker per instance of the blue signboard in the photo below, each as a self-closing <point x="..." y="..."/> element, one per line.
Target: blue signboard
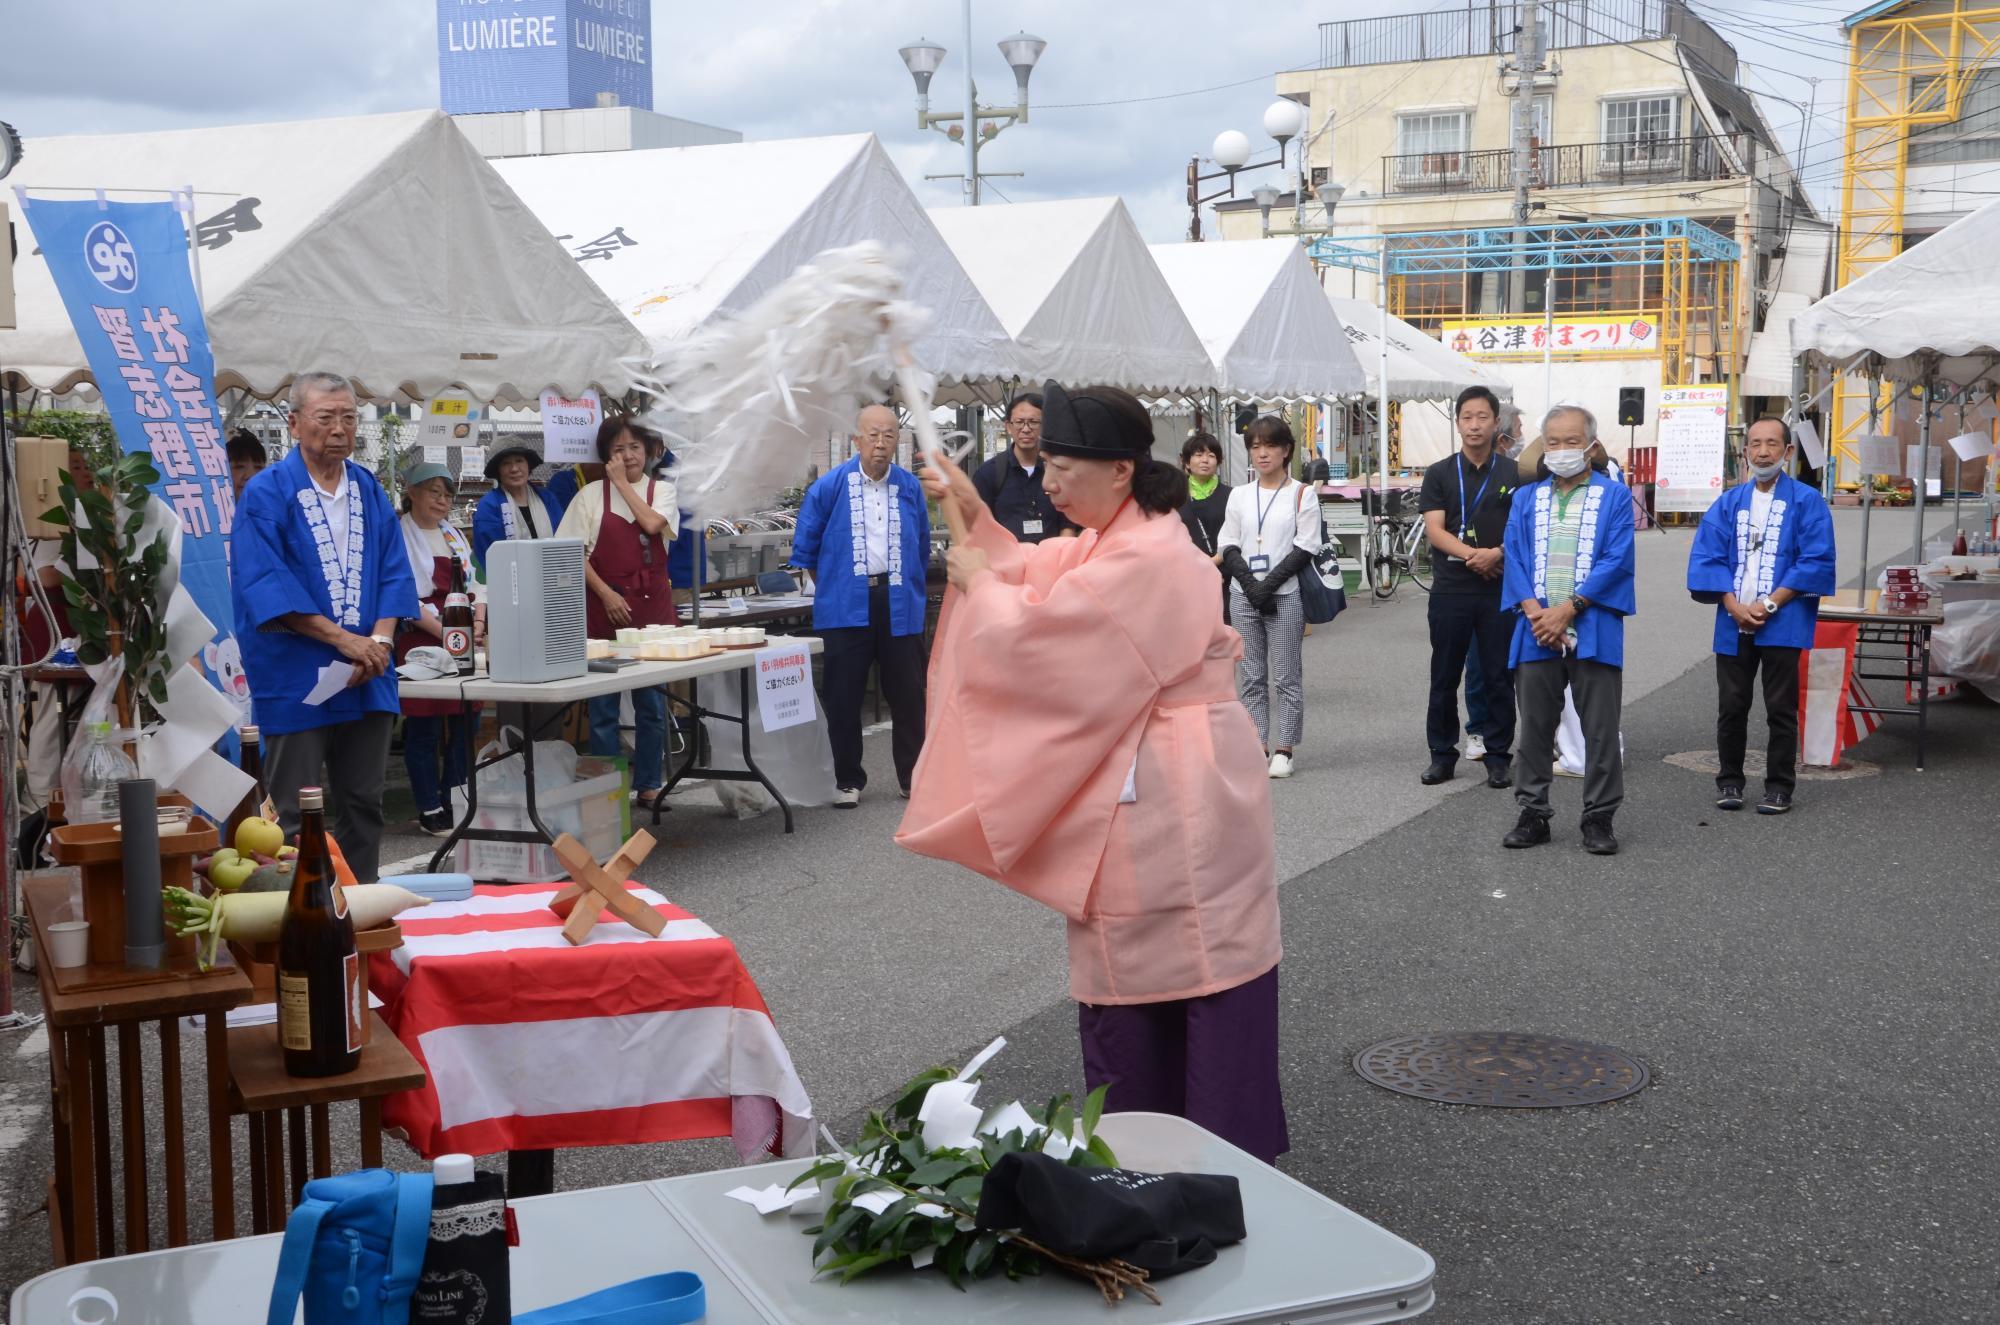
<point x="505" y="55"/>
<point x="122" y="269"/>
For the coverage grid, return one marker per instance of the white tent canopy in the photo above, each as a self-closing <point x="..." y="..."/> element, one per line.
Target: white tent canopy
<point x="1420" y="367"/>
<point x="679" y="235"/>
<point x="1937" y="299"/>
<point x="1262" y="317"/>
<point x="381" y="246"/>
<point x="1077" y="289"/>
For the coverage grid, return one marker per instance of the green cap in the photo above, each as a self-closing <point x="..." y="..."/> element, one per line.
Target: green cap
<point x="425" y="472"/>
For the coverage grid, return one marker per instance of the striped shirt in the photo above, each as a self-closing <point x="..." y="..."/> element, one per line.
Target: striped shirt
<point x="1564" y="529"/>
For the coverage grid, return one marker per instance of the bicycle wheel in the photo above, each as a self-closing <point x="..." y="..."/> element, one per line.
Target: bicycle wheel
<point x="1382" y="569"/>
<point x="1417" y="556"/>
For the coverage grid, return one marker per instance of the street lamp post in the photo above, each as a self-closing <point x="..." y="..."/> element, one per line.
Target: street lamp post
<point x="1284" y="120"/>
<point x="974" y="126"/>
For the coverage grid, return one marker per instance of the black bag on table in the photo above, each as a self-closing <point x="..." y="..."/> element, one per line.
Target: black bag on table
<point x="1163" y="1223"/>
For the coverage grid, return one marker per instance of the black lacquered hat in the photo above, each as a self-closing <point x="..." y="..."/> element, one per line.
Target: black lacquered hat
<point x="1090" y="426"/>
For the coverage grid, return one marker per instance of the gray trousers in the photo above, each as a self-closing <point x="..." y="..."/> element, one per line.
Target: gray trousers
<point x="1599" y="691"/>
<point x="1271" y="659"/>
<point x="349" y="761"/>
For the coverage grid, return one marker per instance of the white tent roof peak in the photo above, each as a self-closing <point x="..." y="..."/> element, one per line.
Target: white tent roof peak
<point x="380" y="246"/>
<point x="1420" y="367"/>
<point x="1259" y="310"/>
<point x="687" y="233"/>
<point x="1076" y="287"/>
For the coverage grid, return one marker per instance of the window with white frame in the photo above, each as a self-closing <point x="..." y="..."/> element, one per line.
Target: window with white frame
<point x="1431" y="145"/>
<point x="1973" y="136"/>
<point x="1640" y="131"/>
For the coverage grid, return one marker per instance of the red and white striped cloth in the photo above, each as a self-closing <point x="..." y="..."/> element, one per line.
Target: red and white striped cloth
<point x="1827" y="686"/>
<point x="531" y="1044"/>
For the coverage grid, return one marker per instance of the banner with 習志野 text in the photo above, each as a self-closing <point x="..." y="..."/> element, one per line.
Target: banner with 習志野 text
<point x="1485" y="338"/>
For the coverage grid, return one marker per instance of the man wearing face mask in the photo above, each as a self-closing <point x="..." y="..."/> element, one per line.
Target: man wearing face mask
<point x="1570" y="572"/>
<point x="1764" y="556"/>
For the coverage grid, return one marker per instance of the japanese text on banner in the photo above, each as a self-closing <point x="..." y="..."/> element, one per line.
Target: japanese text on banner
<point x="784" y="687"/>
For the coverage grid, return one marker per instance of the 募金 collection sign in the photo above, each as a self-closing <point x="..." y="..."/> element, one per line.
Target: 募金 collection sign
<point x="784" y="687"/>
<point x="1693" y="434"/>
<point x="569" y="427"/>
<point x="1570" y="336"/>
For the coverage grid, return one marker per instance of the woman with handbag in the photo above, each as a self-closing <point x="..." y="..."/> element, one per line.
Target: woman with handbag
<point x="1207" y="503"/>
<point x="1270" y="533"/>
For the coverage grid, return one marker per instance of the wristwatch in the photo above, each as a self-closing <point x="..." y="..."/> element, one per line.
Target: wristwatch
<point x="1770" y="606"/>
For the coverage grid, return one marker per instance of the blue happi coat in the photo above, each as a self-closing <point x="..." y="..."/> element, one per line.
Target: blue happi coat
<point x="828" y="542"/>
<point x="1605" y="568"/>
<point x="1799" y="527"/>
<point x="489" y="521"/>
<point x="281" y="561"/>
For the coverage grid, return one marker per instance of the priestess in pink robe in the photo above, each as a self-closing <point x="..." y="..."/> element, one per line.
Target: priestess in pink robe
<point x="1075" y="667"/>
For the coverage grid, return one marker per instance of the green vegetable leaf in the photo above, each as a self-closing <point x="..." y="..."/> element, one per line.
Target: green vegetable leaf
<point x="1093" y="1109"/>
<point x="942" y="1167"/>
<point x="861" y="1265"/>
<point x="980" y="1257"/>
<point x="884" y="1225"/>
<point x="1098" y="1150"/>
<point x="831" y="1168"/>
<point x="965" y="1191"/>
<point x="839" y="1228"/>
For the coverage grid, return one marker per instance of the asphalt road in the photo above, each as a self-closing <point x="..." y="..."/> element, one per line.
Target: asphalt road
<point x="1813" y="996"/>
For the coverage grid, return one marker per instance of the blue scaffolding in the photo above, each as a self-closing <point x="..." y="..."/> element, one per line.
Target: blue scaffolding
<point x="1636" y="242"/>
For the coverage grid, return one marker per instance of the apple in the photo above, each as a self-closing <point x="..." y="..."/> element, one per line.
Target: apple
<point x="259" y="837"/>
<point x="229" y="875"/>
<point x="288" y="853"/>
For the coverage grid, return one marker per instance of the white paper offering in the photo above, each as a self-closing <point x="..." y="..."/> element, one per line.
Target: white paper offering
<point x="333" y="679"/>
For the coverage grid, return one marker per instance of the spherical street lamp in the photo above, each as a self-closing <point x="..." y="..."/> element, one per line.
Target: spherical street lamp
<point x="1231" y="149"/>
<point x="1284" y="120"/>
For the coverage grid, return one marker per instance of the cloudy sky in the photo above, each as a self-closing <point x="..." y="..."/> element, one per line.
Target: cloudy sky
<point x="1127" y="91"/>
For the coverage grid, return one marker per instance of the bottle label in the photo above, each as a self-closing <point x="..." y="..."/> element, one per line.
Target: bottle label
<point x="339" y="901"/>
<point x="457" y="640"/>
<point x="351" y="998"/>
<point x="294" y="1011"/>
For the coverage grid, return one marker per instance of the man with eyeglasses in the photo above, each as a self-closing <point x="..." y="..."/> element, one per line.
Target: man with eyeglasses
<point x="319" y="579"/>
<point x="864" y="532"/>
<point x="1011" y="483"/>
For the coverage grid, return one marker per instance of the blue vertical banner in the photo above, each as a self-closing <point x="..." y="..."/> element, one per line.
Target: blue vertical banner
<point x="123" y="271"/>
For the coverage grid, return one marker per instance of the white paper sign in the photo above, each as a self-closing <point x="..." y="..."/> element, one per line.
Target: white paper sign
<point x="569" y="427"/>
<point x="1878" y="454"/>
<point x="1968" y="446"/>
<point x="1692" y="436"/>
<point x="471" y="461"/>
<point x="437" y="454"/>
<point x="785" y="687"/>
<point x="1807" y="437"/>
<point x="1933" y="470"/>
<point x="450" y="419"/>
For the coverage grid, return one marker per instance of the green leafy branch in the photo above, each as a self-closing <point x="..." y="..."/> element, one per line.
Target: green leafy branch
<point x="937" y="1191"/>
<point x="115" y="605"/>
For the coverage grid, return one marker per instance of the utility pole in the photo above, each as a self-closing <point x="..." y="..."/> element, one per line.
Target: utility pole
<point x="971" y="119"/>
<point x="1528" y="63"/>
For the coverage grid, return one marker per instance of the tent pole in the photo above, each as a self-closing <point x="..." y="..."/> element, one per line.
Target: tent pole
<point x="1382" y="393"/>
<point x="1868" y="485"/>
<point x="1958" y="468"/>
<point x="1919" y="482"/>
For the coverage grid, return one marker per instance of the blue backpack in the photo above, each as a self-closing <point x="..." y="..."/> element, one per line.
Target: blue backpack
<point x="353" y="1249"/>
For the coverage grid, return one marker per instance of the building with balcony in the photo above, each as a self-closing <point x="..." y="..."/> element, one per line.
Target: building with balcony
<point x="1640" y="128"/>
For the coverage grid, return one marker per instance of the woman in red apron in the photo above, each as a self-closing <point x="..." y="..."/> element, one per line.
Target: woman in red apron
<point x="433" y="545"/>
<point x="626" y="519"/>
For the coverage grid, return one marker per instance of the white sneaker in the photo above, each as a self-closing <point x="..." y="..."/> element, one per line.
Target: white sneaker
<point x="846" y="798"/>
<point x="1281" y="765"/>
<point x="1475" y="747"/>
<point x="1565" y="771"/>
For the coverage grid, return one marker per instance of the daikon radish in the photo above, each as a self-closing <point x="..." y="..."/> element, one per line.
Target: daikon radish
<point x="255" y="917"/>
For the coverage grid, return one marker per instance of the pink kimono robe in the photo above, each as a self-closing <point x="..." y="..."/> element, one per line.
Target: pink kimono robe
<point x="1077" y="665"/>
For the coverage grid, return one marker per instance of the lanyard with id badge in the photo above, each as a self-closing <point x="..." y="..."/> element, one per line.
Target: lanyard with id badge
<point x="1260" y="564"/>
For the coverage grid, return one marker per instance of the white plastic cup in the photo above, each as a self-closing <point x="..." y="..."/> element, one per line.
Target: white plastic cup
<point x="69" y="942"/>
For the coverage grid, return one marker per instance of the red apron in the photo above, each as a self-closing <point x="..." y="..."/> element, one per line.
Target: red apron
<point x="634" y="564"/>
<point x="411" y="638"/>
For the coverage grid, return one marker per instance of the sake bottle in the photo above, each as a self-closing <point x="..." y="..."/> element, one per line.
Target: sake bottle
<point x="319" y="972"/>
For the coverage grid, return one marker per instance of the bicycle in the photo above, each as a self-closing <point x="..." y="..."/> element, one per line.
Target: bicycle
<point x="1396" y="544"/>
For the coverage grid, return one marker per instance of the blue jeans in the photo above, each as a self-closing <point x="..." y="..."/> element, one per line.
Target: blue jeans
<point x="1475" y="695"/>
<point x="649" y="734"/>
<point x="421" y="737"/>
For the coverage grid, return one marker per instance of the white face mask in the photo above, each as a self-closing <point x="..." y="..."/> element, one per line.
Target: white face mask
<point x="1765" y="473"/>
<point x="1567" y="464"/>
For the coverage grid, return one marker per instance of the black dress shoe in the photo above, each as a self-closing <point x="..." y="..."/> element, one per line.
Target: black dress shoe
<point x="1531" y="831"/>
<point x="1729" y="797"/>
<point x="1597" y="838"/>
<point x="1499" y="775"/>
<point x="1441" y="770"/>
<point x="1775" y="802"/>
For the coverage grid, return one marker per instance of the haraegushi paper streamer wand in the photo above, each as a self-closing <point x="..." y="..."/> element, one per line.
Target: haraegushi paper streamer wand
<point x="750" y="401"/>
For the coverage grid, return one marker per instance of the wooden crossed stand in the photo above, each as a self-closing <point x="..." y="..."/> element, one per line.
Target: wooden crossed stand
<point x="601" y="887"/>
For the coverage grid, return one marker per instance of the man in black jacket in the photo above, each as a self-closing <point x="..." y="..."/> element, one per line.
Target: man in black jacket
<point x="1011" y="483"/>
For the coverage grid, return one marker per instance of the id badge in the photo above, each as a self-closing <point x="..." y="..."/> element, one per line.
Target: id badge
<point x="1260" y="563"/>
<point x="1031" y="526"/>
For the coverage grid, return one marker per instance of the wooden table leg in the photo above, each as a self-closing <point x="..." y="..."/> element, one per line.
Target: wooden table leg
<point x="79" y="1165"/>
<point x="295" y="1178"/>
<point x="221" y="1147"/>
<point x="322" y="1143"/>
<point x="172" y="1125"/>
<point x="274" y="1168"/>
<point x="260" y="1195"/>
<point x="132" y="1135"/>
<point x="100" y="1130"/>
<point x="371" y="1132"/>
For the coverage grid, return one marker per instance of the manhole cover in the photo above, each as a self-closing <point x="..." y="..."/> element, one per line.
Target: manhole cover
<point x="1705" y="761"/>
<point x="1501" y="1069"/>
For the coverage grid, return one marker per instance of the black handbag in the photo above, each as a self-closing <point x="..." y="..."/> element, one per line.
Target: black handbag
<point x="1322" y="589"/>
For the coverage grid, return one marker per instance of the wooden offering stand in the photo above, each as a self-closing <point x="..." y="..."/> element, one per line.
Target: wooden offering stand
<point x="259" y="961"/>
<point x="600" y="888"/>
<point x="98" y="852"/>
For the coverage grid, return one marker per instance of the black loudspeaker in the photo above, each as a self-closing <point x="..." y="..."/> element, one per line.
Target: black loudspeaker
<point x="1631" y="406"/>
<point x="1245" y="416"/>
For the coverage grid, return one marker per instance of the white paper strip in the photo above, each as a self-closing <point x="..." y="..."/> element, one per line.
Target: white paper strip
<point x="1807" y="437"/>
<point x="1971" y="445"/>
